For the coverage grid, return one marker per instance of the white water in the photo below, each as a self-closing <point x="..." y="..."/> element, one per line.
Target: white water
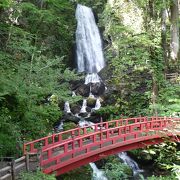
<point x="130" y="162"/>
<point x="83" y="123"/>
<point x="98" y="104"/>
<point x="73" y="94"/>
<point x="89" y="46"/>
<point x="60" y="127"/>
<point x="84" y="105"/>
<point x="97" y="174"/>
<point x="90" y="93"/>
<point x="93" y="78"/>
<point x="67" y="107"/>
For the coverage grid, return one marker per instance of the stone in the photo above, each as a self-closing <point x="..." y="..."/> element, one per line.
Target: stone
<point x="75" y="84"/>
<point x="83" y="90"/>
<point x="70" y="117"/>
<point x="75" y="109"/>
<point x="91" y="102"/>
<point x="97" y="89"/>
<point x="94" y="119"/>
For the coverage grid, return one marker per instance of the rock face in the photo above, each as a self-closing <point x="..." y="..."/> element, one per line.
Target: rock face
<point x="91" y="102"/>
<point x="83" y="90"/>
<point x="76" y="83"/>
<point x="75" y="109"/>
<point x="71" y="117"/>
<point x="97" y="89"/>
<point x="93" y="118"/>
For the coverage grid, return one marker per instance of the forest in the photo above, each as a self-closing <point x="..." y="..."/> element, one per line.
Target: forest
<point x="38" y="72"/>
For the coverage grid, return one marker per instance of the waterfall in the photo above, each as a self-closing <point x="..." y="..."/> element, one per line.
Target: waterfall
<point x="73" y="94"/>
<point x="84" y="105"/>
<point x="94" y="78"/>
<point x="98" y="104"/>
<point x="89" y="46"/>
<point x="60" y="127"/>
<point x="130" y="162"/>
<point x="83" y="123"/>
<point x="67" y="107"/>
<point x="97" y="174"/>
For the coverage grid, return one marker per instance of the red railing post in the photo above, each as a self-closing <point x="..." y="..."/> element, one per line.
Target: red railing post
<point x="60" y="137"/>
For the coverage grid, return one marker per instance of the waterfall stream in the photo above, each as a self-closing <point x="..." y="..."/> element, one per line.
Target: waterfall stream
<point x="98" y="104"/>
<point x="84" y="105"/>
<point x="130" y="162"/>
<point x="90" y="57"/>
<point x="97" y="174"/>
<point x="67" y="107"/>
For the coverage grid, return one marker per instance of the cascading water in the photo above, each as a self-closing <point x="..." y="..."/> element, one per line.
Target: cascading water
<point x="97" y="174"/>
<point x="93" y="78"/>
<point x="67" y="107"/>
<point x="89" y="52"/>
<point x="83" y="123"/>
<point x="130" y="162"/>
<point x="60" y="127"/>
<point x="84" y="105"/>
<point x="98" y="104"/>
<point x="73" y="94"/>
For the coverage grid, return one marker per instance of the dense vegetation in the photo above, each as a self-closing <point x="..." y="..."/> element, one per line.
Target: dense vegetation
<point x="141" y="45"/>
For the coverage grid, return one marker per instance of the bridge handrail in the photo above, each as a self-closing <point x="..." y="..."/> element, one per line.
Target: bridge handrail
<point x="47" y="141"/>
<point x="103" y="135"/>
<point x="102" y="131"/>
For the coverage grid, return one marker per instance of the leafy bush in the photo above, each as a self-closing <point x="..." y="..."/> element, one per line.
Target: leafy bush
<point x="117" y="171"/>
<point x="38" y="175"/>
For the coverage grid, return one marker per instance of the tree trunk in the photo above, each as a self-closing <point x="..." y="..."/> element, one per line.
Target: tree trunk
<point x="163" y="35"/>
<point x="174" y="46"/>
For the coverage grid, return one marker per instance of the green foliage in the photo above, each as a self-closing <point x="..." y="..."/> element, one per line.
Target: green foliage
<point x="169" y="100"/>
<point x="84" y="172"/>
<point x="33" y="59"/>
<point x="165" y="155"/>
<point x="69" y="125"/>
<point x="38" y="175"/>
<point x="172" y="177"/>
<point x="117" y="171"/>
<point x="108" y="112"/>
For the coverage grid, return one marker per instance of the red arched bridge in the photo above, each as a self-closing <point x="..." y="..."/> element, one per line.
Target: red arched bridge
<point x="68" y="150"/>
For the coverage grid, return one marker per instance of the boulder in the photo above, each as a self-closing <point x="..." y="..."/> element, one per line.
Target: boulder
<point x="98" y="89"/>
<point x="76" y="84"/>
<point x="106" y="73"/>
<point x="83" y="90"/>
<point x="91" y="102"/>
<point x="94" y="119"/>
<point x="70" y="117"/>
<point x="75" y="109"/>
<point x="84" y="114"/>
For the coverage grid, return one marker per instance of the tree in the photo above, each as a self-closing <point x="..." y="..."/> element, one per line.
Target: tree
<point x="174" y="45"/>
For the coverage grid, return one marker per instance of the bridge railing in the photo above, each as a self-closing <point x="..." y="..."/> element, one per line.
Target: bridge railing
<point x="66" y="152"/>
<point x="47" y="141"/>
<point x="54" y="139"/>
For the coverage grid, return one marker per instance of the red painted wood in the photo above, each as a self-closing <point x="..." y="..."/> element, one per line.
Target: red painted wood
<point x="70" y="149"/>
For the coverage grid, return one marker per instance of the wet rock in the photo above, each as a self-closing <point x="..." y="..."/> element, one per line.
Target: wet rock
<point x="83" y="90"/>
<point x="76" y="84"/>
<point x="94" y="119"/>
<point x="106" y="73"/>
<point x="88" y="109"/>
<point x="70" y="117"/>
<point x="91" y="102"/>
<point x="75" y="109"/>
<point x="97" y="88"/>
<point x="84" y="114"/>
